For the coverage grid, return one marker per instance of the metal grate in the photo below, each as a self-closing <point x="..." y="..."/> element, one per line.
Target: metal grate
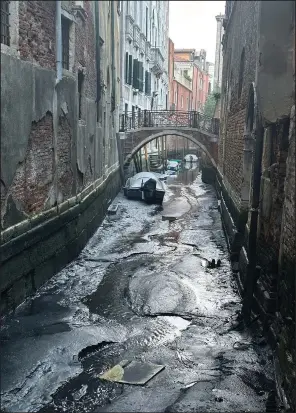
<point x="65" y="42"/>
<point x="5" y="38"/>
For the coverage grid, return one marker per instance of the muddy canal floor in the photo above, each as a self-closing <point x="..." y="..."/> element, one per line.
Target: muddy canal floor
<point x="140" y="290"/>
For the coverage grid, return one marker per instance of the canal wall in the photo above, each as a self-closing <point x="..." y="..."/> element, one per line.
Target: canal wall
<point x="256" y="175"/>
<point x="35" y="249"/>
<point x="59" y="119"/>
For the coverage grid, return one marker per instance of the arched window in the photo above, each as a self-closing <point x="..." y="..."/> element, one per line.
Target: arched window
<point x="241" y="73"/>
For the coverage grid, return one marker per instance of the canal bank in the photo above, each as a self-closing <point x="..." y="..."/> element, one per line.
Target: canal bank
<point x="141" y="290"/>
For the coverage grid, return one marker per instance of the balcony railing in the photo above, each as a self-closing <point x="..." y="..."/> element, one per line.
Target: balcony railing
<point x="168" y="119"/>
<point x="157" y="60"/>
<point x="137" y="32"/>
<point x="148" y="51"/>
<point x="142" y="43"/>
<point x="129" y="21"/>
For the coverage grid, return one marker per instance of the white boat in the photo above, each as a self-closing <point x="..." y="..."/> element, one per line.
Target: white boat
<point x="190" y="158"/>
<point x="146" y="186"/>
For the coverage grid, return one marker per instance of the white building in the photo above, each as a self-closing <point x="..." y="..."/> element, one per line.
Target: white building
<point x="144" y="55"/>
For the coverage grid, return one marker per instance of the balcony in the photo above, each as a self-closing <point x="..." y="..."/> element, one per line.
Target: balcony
<point x="142" y="44"/>
<point x="157" y="61"/>
<point x="137" y="32"/>
<point x="148" y="51"/>
<point x="129" y="21"/>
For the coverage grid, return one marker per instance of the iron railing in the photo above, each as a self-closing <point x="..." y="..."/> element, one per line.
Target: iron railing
<point x="168" y="119"/>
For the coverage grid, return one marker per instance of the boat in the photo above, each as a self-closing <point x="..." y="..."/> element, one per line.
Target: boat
<point x="145" y="186"/>
<point x="191" y="158"/>
<point x="173" y="166"/>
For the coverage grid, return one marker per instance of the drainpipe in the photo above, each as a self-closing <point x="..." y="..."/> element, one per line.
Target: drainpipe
<point x="113" y="95"/>
<point x="253" y="271"/>
<point x="59" y="76"/>
<point x="59" y="40"/>
<point x="98" y="52"/>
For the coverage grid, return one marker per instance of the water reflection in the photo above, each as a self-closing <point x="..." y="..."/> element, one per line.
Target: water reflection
<point x="186" y="175"/>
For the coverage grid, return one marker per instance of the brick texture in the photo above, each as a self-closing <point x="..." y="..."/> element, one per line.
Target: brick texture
<point x="85" y="57"/>
<point x="34" y="176"/>
<point x="241" y="34"/>
<point x="37" y="32"/>
<point x="64" y="170"/>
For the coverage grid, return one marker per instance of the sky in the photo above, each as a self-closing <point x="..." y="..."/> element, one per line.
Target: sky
<point x="192" y="25"/>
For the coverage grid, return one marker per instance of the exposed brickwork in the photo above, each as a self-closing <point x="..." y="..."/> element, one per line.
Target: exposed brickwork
<point x="64" y="170"/>
<point x="34" y="176"/>
<point x="85" y="51"/>
<point x="241" y="34"/>
<point x="37" y="32"/>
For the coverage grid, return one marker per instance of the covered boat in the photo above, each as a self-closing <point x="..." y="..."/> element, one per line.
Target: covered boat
<point x="191" y="158"/>
<point x="145" y="186"/>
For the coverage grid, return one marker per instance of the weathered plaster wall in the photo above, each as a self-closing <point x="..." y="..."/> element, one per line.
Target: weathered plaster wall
<point x="50" y="159"/>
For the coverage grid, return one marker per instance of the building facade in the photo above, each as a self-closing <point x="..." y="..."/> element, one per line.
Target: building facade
<point x="193" y="67"/>
<point x="60" y="96"/>
<point x="144" y="55"/>
<point x="218" y="54"/>
<point x="256" y="178"/>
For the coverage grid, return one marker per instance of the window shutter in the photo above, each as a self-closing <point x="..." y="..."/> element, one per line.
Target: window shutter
<point x="146" y="82"/>
<point x="126" y="67"/>
<point x="135" y="73"/>
<point x="130" y="69"/>
<point x="140" y="77"/>
<point x="149" y="83"/>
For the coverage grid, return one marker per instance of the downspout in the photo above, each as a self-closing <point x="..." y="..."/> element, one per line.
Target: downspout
<point x="113" y="94"/>
<point x="98" y="54"/>
<point x="59" y="40"/>
<point x="59" y="76"/>
<point x="253" y="271"/>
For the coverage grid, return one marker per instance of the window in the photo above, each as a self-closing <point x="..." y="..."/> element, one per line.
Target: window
<point x="5" y="35"/>
<point x="126" y="68"/>
<point x="80" y="92"/>
<point x="147" y="83"/>
<point x="65" y="42"/>
<point x="181" y="102"/>
<point x="135" y="74"/>
<point x="130" y="69"/>
<point x="175" y="97"/>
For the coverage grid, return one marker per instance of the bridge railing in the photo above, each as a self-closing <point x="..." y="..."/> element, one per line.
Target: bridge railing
<point x="168" y="118"/>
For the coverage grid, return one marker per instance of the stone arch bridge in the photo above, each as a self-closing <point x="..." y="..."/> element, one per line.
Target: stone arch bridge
<point x="138" y="129"/>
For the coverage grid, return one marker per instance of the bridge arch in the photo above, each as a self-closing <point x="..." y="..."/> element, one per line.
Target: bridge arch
<point x="150" y="138"/>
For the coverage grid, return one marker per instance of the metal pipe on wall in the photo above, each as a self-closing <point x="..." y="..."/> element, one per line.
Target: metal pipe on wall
<point x="59" y="40"/>
<point x="113" y="94"/>
<point x="98" y="50"/>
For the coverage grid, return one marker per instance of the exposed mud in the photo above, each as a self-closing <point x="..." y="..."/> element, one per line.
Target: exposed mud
<point x="142" y="289"/>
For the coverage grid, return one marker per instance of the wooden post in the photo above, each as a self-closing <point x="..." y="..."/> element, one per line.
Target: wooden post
<point x="146" y="158"/>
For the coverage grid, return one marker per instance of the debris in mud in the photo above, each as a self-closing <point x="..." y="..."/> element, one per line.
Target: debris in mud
<point x="112" y="210"/>
<point x="133" y="372"/>
<point x="92" y="349"/>
<point x="168" y="218"/>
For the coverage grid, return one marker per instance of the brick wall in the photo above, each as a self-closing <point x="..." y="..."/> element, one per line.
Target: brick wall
<point x="85" y="52"/>
<point x="37" y="32"/>
<point x="241" y="34"/>
<point x="34" y="175"/>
